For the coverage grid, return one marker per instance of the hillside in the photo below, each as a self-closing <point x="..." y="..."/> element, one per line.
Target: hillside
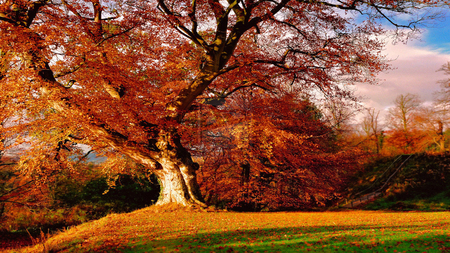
<point x="406" y="182"/>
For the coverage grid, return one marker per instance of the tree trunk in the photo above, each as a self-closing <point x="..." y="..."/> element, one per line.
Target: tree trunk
<point x="178" y="184"/>
<point x="169" y="161"/>
<point x="441" y="136"/>
<point x="176" y="172"/>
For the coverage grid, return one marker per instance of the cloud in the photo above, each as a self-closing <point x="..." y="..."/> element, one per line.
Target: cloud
<point x="415" y="70"/>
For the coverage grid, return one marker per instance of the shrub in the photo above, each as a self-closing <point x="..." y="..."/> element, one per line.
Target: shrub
<point x="74" y="200"/>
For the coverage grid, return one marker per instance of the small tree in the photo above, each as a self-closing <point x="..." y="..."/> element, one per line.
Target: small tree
<point x="442" y="107"/>
<point x="372" y="129"/>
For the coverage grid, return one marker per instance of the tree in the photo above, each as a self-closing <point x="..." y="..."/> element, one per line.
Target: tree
<point x="401" y="115"/>
<point x="372" y="129"/>
<point x="442" y="107"/>
<point x="287" y="158"/>
<point x="442" y="97"/>
<point x="403" y="118"/>
<point x="430" y="124"/>
<point x="124" y="77"/>
<point x="338" y="112"/>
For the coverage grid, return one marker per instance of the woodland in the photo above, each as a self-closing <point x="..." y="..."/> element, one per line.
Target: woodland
<point x="242" y="105"/>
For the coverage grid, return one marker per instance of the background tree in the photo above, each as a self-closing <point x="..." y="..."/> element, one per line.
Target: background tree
<point x="430" y="123"/>
<point x="339" y="112"/>
<point x="124" y="77"/>
<point x="402" y="119"/>
<point x="442" y="97"/>
<point x="442" y="107"/>
<point x="286" y="159"/>
<point x="401" y="115"/>
<point x="371" y="128"/>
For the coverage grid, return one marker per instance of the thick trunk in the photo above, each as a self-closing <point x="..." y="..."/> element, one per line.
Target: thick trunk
<point x="178" y="184"/>
<point x="176" y="172"/>
<point x="169" y="161"/>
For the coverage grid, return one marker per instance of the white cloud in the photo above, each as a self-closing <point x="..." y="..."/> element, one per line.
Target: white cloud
<point x="414" y="71"/>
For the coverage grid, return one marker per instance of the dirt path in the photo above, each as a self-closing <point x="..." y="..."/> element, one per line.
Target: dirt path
<point x="359" y="201"/>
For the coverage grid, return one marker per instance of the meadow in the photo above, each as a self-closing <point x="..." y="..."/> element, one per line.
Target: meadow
<point x="156" y="230"/>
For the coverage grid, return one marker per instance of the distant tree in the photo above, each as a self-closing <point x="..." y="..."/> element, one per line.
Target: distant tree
<point x="403" y="120"/>
<point x="442" y="97"/>
<point x="372" y="129"/>
<point x="429" y="123"/>
<point x="124" y="76"/>
<point x="441" y="110"/>
<point x="401" y="115"/>
<point x="338" y="112"/>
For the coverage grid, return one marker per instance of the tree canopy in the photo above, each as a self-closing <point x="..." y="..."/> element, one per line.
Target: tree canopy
<point x="127" y="78"/>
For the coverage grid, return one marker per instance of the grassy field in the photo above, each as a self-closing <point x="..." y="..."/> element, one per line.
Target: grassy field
<point x="148" y="230"/>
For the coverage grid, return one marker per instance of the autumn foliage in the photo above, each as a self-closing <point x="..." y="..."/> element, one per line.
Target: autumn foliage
<point x="285" y="159"/>
<point x="411" y="126"/>
<point x="156" y="82"/>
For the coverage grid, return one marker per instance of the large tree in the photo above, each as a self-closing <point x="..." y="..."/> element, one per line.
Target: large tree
<point x="125" y="77"/>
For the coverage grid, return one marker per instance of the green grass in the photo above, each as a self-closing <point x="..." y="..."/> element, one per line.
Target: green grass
<point x="350" y="231"/>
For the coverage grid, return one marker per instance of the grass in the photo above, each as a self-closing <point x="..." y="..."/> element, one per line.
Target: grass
<point x="148" y="230"/>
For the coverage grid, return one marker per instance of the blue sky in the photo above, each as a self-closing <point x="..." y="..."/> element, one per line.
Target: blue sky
<point x="438" y="34"/>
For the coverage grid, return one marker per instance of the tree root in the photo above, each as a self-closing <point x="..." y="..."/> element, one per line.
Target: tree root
<point x="175" y="207"/>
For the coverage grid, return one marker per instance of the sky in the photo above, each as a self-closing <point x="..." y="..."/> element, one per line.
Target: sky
<point x="414" y="70"/>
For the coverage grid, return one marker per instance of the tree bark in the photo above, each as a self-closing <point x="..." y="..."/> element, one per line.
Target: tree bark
<point x="178" y="184"/>
<point x="169" y="161"/>
<point x="176" y="172"/>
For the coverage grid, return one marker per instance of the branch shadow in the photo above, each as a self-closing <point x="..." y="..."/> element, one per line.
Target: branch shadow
<point x="402" y="238"/>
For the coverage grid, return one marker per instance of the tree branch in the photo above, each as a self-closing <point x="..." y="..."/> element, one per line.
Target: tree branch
<point x="81" y="18"/>
<point x="33" y="10"/>
<point x="194" y="37"/>
<point x="5" y="18"/>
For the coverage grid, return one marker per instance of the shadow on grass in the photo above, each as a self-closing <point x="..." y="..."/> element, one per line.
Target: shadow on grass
<point x="405" y="238"/>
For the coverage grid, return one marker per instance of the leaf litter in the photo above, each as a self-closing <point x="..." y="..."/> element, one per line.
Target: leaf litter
<point x="194" y="231"/>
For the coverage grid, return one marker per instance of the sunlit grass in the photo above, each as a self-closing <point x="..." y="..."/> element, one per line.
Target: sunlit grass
<point x="352" y="231"/>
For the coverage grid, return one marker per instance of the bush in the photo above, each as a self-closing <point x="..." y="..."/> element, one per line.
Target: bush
<point x="74" y="200"/>
<point x="129" y="193"/>
<point x="20" y="218"/>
